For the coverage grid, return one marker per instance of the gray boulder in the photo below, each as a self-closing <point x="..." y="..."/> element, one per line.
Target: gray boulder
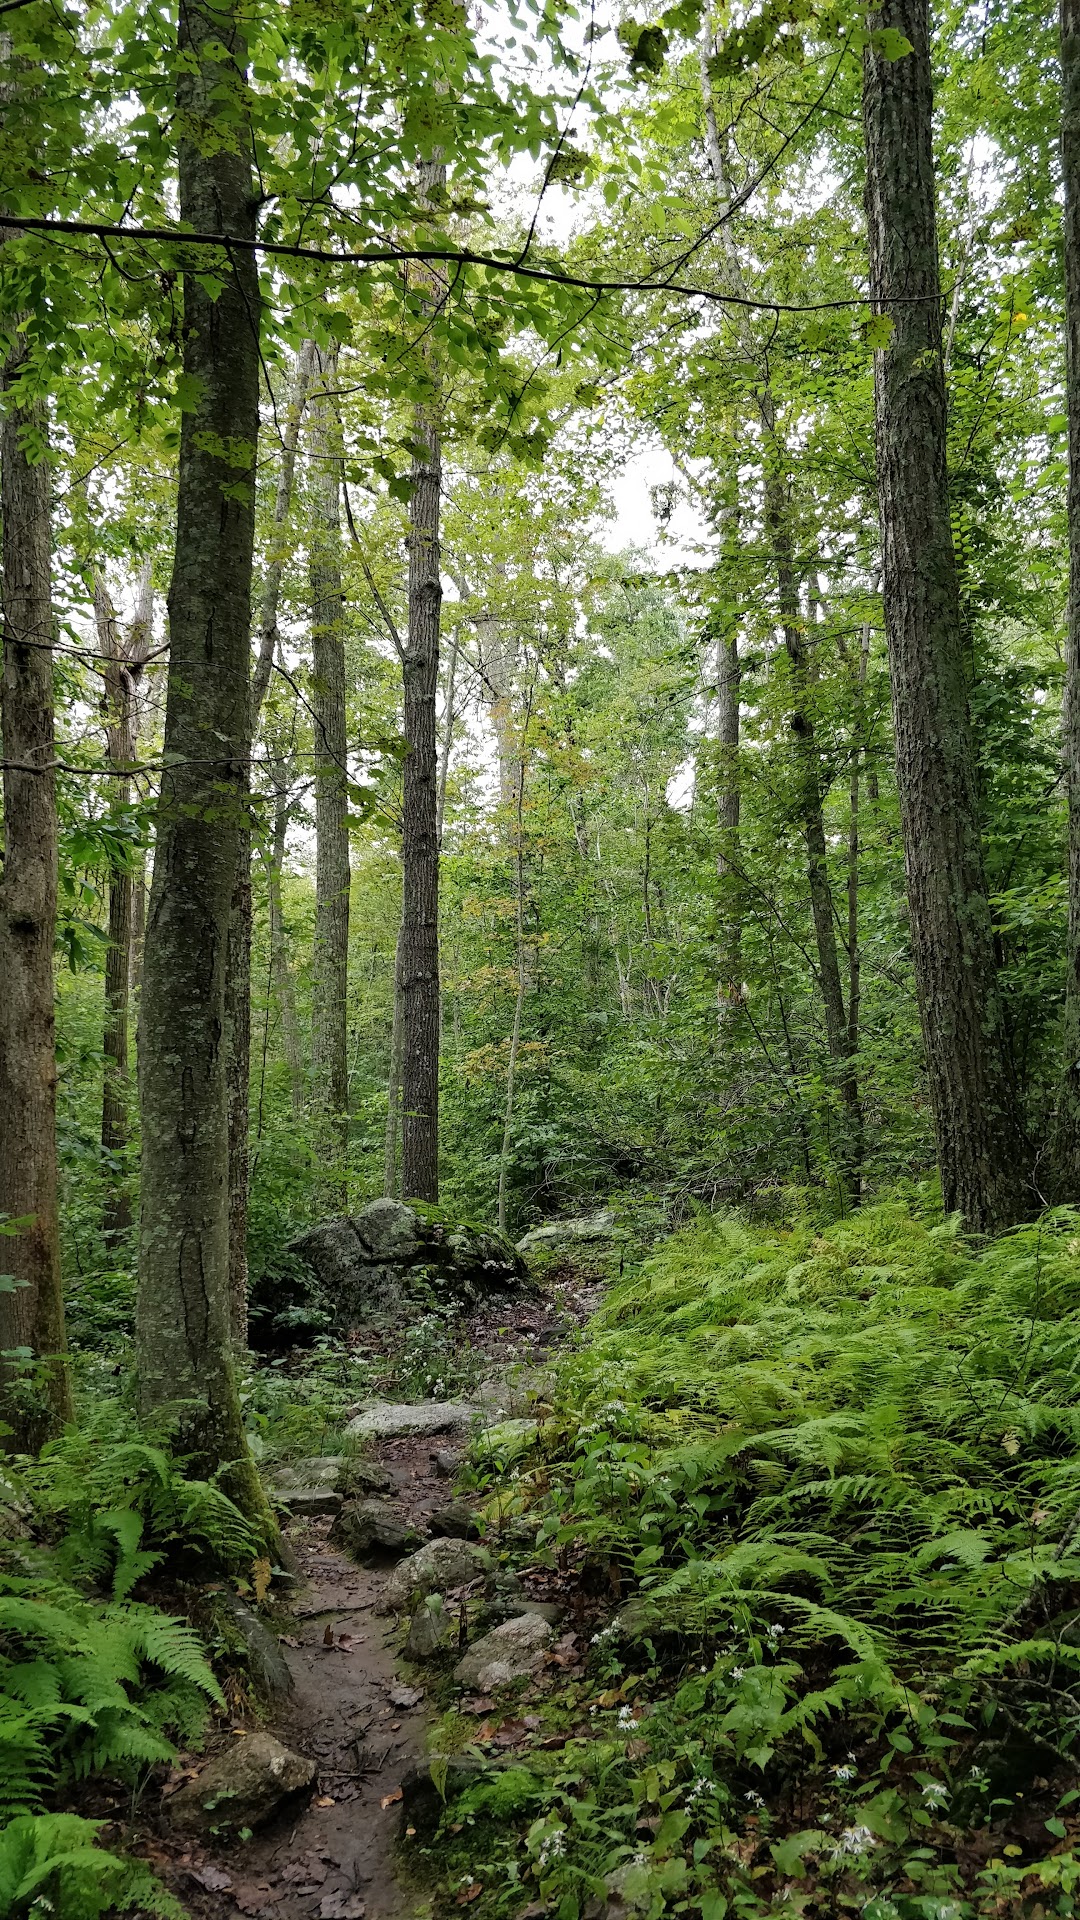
<point x="508" y="1653"/>
<point x="553" y="1234"/>
<point x="457" y="1521"/>
<point x="254" y="1779"/>
<point x="363" y="1476"/>
<point x="439" y="1566"/>
<point x="372" y="1532"/>
<point x="389" y="1257"/>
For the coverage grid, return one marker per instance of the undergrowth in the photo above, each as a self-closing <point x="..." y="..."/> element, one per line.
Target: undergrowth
<point x="825" y="1485"/>
<point x="94" y="1683"/>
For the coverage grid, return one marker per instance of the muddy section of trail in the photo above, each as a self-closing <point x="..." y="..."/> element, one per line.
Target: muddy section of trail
<point x="350" y="1710"/>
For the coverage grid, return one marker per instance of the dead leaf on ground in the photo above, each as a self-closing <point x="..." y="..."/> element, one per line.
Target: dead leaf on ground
<point x="405" y="1696"/>
<point x="325" y="1800"/>
<point x="469" y="1894"/>
<point x="478" y="1703"/>
<point x="346" y="1642"/>
<point x="341" y="1906"/>
<point x="288" y="1640"/>
<point x="328" y="1636"/>
<point x="214" y="1879"/>
<point x="308" y="1870"/>
<point x="391" y="1799"/>
<point x="252" y="1899"/>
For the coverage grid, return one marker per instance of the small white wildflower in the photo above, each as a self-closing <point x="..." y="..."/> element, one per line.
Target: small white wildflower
<point x="775" y="1631"/>
<point x="753" y="1799"/>
<point x="843" y="1773"/>
<point x="934" y="1793"/>
<point x="738" y="1673"/>
<point x="626" y="1717"/>
<point x="857" y="1840"/>
<point x="976" y="1773"/>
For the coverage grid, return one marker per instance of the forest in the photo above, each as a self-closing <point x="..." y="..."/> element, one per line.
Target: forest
<point x="539" y="959"/>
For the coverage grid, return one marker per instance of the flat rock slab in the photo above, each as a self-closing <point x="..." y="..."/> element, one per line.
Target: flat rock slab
<point x="568" y="1233"/>
<point x="383" y="1420"/>
<point x="322" y="1471"/>
<point x="308" y="1502"/>
<point x="508" y="1653"/>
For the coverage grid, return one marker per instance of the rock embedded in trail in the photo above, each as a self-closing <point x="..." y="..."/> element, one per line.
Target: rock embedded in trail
<point x="511" y="1652"/>
<point x="254" y="1779"/>
<point x="387" y="1420"/>
<point x="263" y="1657"/>
<point x="438" y="1567"/>
<point x="390" y="1257"/>
<point x="429" y="1630"/>
<point x="372" y="1532"/>
<point x="457" y="1521"/>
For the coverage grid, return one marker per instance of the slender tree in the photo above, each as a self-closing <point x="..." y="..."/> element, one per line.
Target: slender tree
<point x="329" y="1029"/>
<point x="123" y="657"/>
<point x="31" y="1302"/>
<point x="420" y="832"/>
<point x="1065" y="1145"/>
<point x="238" y="971"/>
<point x="980" y="1152"/>
<point x="810" y="787"/>
<point x="184" y="1349"/>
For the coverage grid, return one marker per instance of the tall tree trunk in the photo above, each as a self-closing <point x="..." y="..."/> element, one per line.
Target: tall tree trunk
<point x="391" y="1180"/>
<point x="184" y="1348"/>
<point x="519" y="998"/>
<point x="238" y="976"/>
<point x="420" y="837"/>
<point x="121" y="663"/>
<point x="1065" y="1142"/>
<point x="728" y="789"/>
<point x="280" y="971"/>
<point x="329" y="1041"/>
<point x="980" y="1151"/>
<point x="778" y="531"/>
<point x="810" y="802"/>
<point x="31" y="1312"/>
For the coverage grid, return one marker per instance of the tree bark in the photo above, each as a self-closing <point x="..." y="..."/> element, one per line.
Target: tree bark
<point x="1065" y="1133"/>
<point x="33" y="1407"/>
<point x="391" y="1181"/>
<point x="121" y="664"/>
<point x="184" y="1348"/>
<point x="980" y="1150"/>
<point x="329" y="1042"/>
<point x="420" y="835"/>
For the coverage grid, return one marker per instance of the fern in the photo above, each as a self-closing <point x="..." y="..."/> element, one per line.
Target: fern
<point x="49" y="1864"/>
<point x="869" y="1437"/>
<point x="88" y="1688"/>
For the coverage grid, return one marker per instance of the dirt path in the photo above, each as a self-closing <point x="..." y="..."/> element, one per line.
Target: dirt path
<point x="350" y="1710"/>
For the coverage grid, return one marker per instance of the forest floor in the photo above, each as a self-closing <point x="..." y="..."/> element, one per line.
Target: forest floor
<point x="351" y="1710"/>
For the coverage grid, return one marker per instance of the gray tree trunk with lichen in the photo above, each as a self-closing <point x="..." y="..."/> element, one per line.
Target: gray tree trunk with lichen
<point x="184" y="1350"/>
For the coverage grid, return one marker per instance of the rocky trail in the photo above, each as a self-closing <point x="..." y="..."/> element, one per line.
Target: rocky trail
<point x="350" y="1723"/>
